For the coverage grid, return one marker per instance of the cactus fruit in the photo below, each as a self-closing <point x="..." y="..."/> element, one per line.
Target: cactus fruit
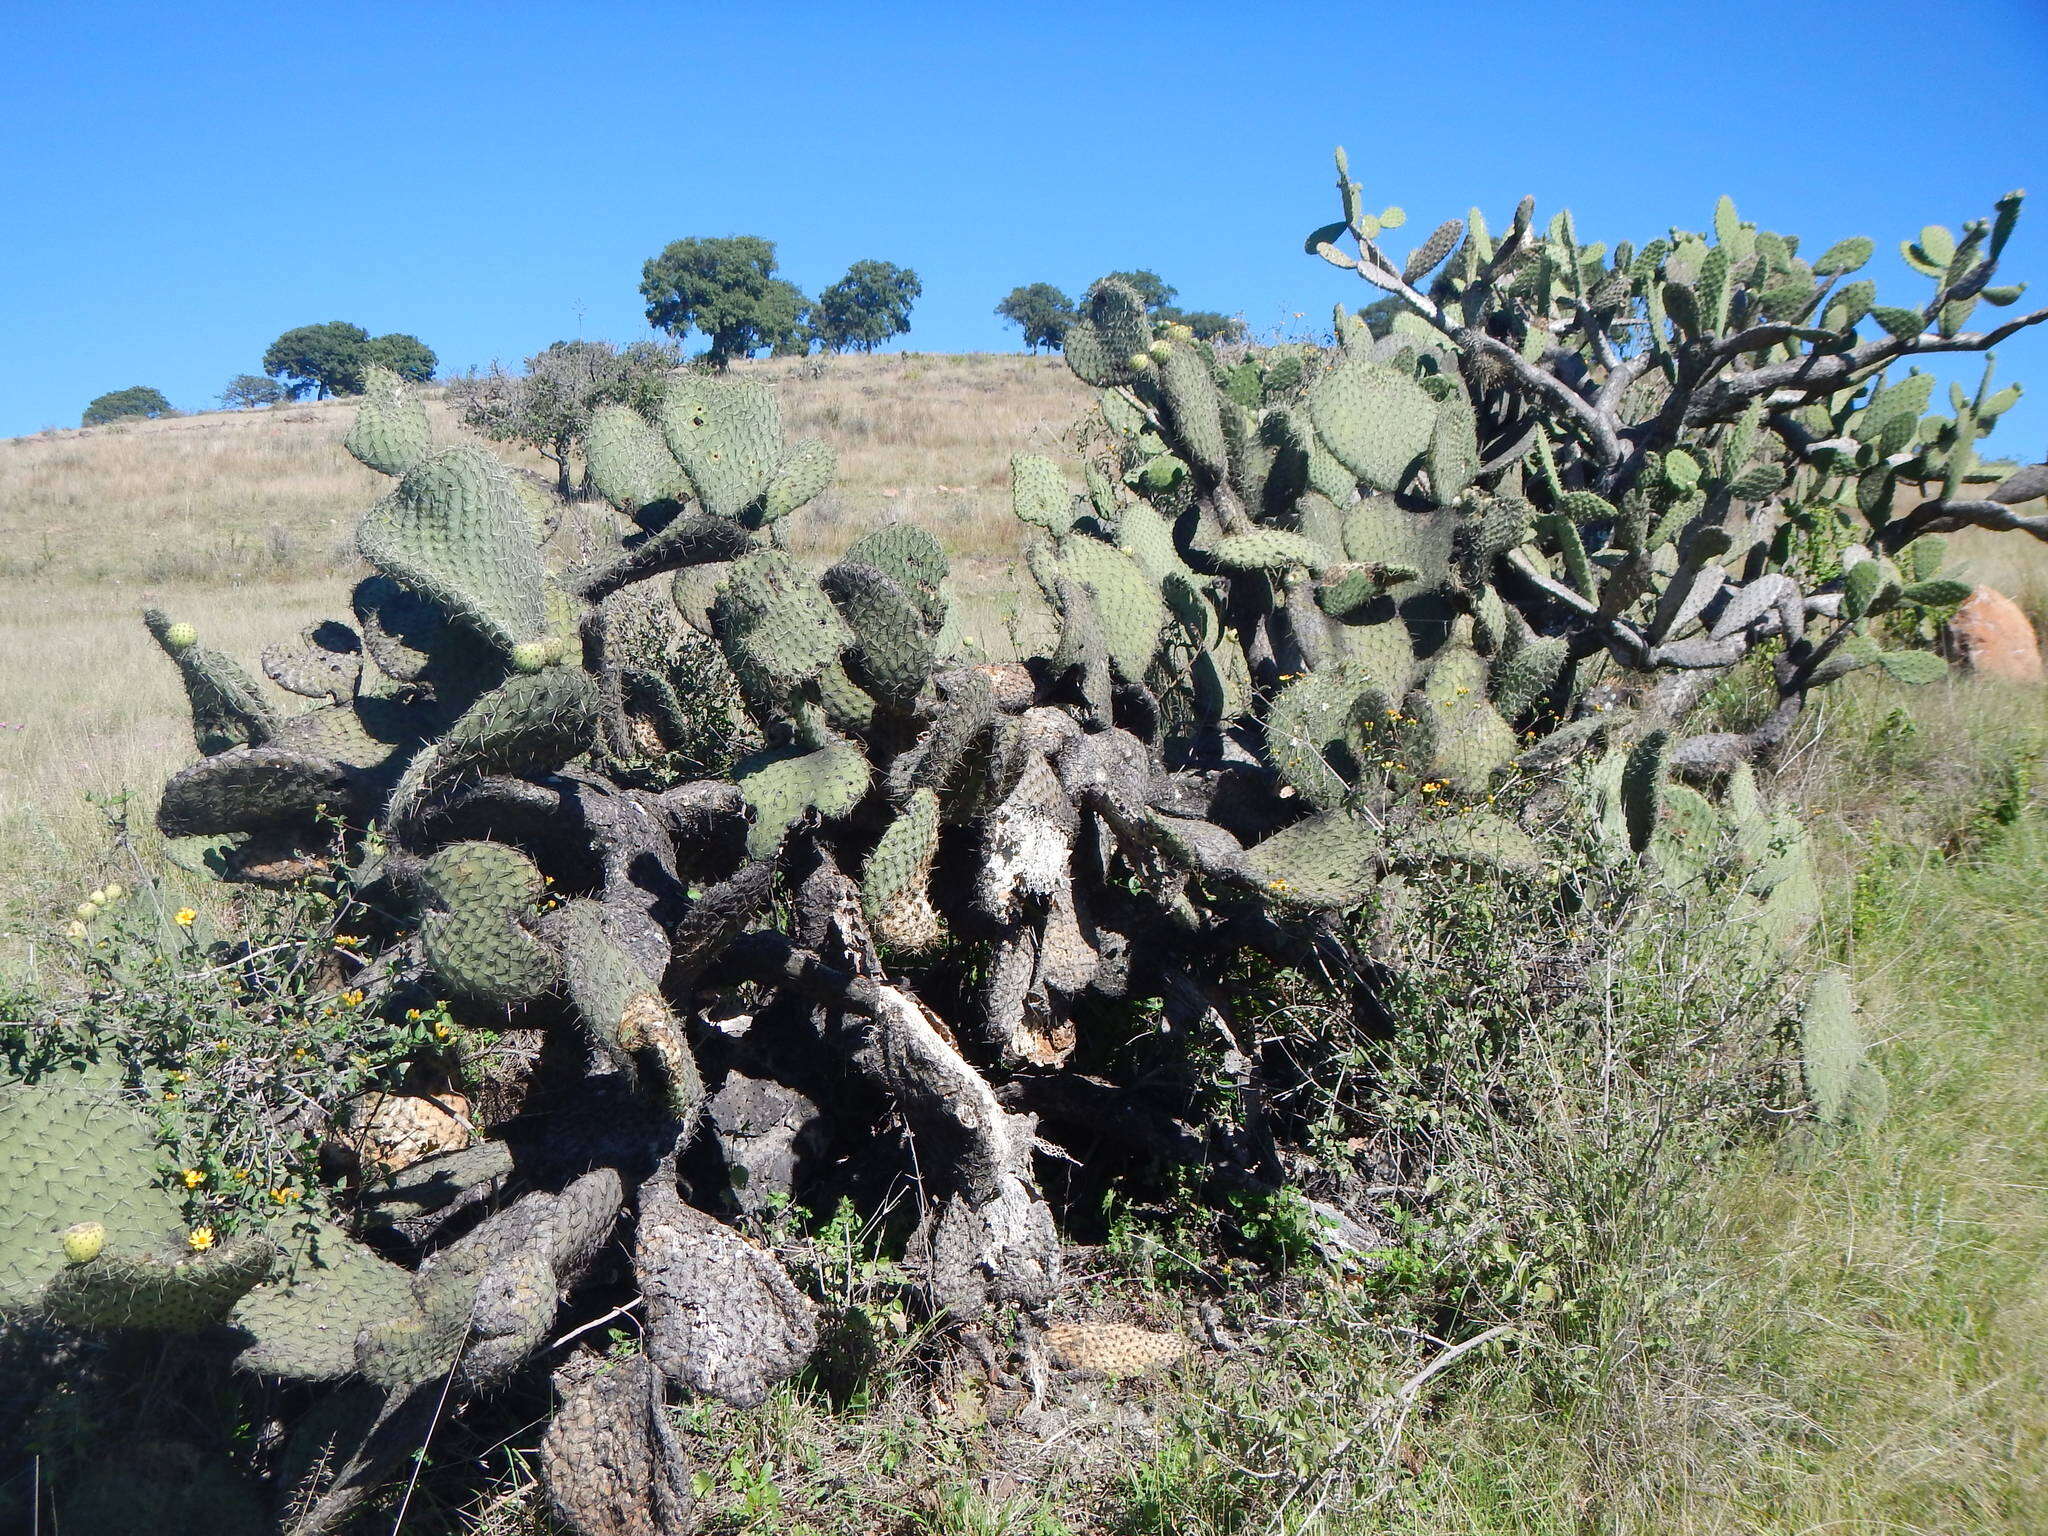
<point x="83" y="1241"/>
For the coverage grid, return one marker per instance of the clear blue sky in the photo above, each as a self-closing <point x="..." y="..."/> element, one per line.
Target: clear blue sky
<point x="186" y="181"/>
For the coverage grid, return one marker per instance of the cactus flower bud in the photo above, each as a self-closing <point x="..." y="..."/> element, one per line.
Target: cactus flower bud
<point x="1162" y="351"/>
<point x="115" y="890"/>
<point x="87" y="911"/>
<point x="181" y="637"/>
<point x="82" y="1243"/>
<point x="530" y="655"/>
<point x="1138" y="362"/>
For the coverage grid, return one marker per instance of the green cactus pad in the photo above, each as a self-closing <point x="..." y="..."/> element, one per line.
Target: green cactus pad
<point x="1846" y="1090"/>
<point x="1039" y="494"/>
<point x="1314" y="730"/>
<point x="302" y="1322"/>
<point x="1472" y="740"/>
<point x="179" y="1291"/>
<point x="893" y="651"/>
<point x="71" y="1151"/>
<point x="782" y="785"/>
<point x="1269" y="549"/>
<point x="1375" y="419"/>
<point x="252" y="788"/>
<point x="1110" y="330"/>
<point x="1131" y="611"/>
<point x="531" y="723"/>
<point x="1452" y="456"/>
<point x="630" y="466"/>
<point x="727" y="435"/>
<point x="1480" y="839"/>
<point x="1641" y="786"/>
<point x="893" y="884"/>
<point x="803" y="475"/>
<point x="472" y="933"/>
<point x="1195" y="408"/>
<point x="456" y="532"/>
<point x="777" y="628"/>
<point x="228" y="709"/>
<point x="624" y="1010"/>
<point x="390" y="433"/>
<point x="1519" y="677"/>
<point x="1329" y="860"/>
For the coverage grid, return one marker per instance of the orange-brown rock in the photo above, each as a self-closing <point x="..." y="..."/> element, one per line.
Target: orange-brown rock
<point x="1990" y="635"/>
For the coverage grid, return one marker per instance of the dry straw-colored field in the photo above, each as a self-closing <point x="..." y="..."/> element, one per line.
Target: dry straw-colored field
<point x="244" y="523"/>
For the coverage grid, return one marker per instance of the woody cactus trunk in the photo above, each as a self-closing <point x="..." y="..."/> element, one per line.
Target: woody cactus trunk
<point x="1324" y="615"/>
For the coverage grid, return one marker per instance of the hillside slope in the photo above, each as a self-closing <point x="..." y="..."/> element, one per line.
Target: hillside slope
<point x="244" y="522"/>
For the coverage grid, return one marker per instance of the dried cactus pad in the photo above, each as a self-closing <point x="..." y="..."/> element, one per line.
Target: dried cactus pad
<point x="1113" y="1349"/>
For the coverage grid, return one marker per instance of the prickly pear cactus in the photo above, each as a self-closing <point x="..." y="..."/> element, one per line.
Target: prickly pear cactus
<point x="1322" y="618"/>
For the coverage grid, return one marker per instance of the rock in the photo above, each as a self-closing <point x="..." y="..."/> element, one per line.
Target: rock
<point x="1990" y="635"/>
<point x="387" y="1132"/>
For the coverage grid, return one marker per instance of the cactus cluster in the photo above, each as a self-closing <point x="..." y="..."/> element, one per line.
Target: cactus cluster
<point x="1323" y="616"/>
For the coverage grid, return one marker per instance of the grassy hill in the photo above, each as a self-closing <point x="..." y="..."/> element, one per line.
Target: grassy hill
<point x="244" y="522"/>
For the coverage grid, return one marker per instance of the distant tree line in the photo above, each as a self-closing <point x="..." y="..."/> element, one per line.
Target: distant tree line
<point x="1043" y="313"/>
<point x="725" y="289"/>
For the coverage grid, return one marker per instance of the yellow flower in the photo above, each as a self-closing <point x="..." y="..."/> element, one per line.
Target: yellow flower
<point x="353" y="999"/>
<point x="200" y="1239"/>
<point x="194" y="1177"/>
<point x="240" y="1175"/>
<point x="284" y="1196"/>
<point x="413" y="1015"/>
<point x="179" y="1076"/>
<point x="185" y="917"/>
<point x="348" y="940"/>
<point x="442" y="1032"/>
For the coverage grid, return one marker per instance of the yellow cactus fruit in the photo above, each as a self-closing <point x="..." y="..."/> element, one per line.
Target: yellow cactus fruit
<point x="83" y="1243"/>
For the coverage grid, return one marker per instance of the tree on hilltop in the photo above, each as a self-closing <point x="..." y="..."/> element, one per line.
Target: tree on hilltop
<point x="1041" y="311"/>
<point x="725" y="288"/>
<point x="330" y="359"/>
<point x="247" y="391"/>
<point x="866" y="307"/>
<point x="135" y="403"/>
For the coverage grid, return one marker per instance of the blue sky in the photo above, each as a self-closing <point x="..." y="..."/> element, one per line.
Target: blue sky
<point x="188" y="181"/>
